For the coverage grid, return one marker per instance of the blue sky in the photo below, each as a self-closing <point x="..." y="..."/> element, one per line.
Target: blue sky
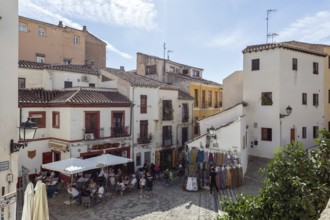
<point x="208" y="34"/>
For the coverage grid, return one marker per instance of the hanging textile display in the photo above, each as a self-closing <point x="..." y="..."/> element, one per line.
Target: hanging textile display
<point x="228" y="168"/>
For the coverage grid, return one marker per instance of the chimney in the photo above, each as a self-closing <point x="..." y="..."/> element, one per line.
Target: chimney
<point x="60" y="23"/>
<point x="86" y="62"/>
<point x="122" y="68"/>
<point x="84" y="28"/>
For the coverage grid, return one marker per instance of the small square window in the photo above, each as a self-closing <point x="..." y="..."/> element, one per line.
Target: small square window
<point x="42" y="32"/>
<point x="266" y="98"/>
<point x="66" y="61"/>
<point x="21" y="83"/>
<point x="294" y="64"/>
<point x="39" y="118"/>
<point x="41" y="58"/>
<point x="266" y="134"/>
<point x="22" y="27"/>
<point x="67" y="84"/>
<point x="255" y="64"/>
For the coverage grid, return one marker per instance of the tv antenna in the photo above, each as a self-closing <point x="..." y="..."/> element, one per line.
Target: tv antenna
<point x="270" y="35"/>
<point x="168" y="53"/>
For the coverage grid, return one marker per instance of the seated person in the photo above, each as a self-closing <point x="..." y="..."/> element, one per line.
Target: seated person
<point x="119" y="172"/>
<point x="52" y="174"/>
<point x="120" y="186"/>
<point x="73" y="192"/>
<point x="125" y="180"/>
<point x="92" y="187"/>
<point x="100" y="192"/>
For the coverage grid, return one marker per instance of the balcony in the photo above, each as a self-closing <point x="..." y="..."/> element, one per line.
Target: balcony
<point x="119" y="131"/>
<point x="167" y="141"/>
<point x="185" y="118"/>
<point x="144" y="139"/>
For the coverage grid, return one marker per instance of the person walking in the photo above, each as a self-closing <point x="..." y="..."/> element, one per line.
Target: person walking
<point x="212" y="180"/>
<point x="142" y="185"/>
<point x="149" y="185"/>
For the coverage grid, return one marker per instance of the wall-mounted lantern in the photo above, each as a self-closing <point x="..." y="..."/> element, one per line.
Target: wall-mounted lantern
<point x="27" y="131"/>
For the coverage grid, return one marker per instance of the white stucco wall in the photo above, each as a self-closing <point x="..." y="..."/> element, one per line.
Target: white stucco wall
<point x="8" y="98"/>
<point x="232" y="90"/>
<point x="221" y="118"/>
<point x="276" y="76"/>
<point x="229" y="138"/>
<point x="53" y="79"/>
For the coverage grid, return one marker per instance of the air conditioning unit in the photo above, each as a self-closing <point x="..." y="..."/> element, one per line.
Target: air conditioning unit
<point x="84" y="79"/>
<point x="89" y="136"/>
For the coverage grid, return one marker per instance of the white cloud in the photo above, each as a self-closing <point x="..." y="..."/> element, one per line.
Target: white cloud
<point x="133" y="13"/>
<point x="115" y="50"/>
<point x="227" y="39"/>
<point x="313" y="29"/>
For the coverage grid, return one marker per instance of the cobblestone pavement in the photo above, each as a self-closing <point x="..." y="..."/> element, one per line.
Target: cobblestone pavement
<point x="170" y="202"/>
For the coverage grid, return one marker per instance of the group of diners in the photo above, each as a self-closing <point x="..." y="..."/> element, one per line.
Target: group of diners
<point x="89" y="188"/>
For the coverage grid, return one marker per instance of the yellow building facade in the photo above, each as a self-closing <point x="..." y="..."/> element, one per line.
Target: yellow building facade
<point x="208" y="101"/>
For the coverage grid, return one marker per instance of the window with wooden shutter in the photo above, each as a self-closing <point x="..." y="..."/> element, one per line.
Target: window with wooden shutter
<point x="143" y="104"/>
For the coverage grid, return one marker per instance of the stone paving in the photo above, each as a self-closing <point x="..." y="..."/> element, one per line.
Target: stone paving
<point x="170" y="202"/>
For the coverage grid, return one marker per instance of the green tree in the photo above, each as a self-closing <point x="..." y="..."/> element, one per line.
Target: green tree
<point x="296" y="185"/>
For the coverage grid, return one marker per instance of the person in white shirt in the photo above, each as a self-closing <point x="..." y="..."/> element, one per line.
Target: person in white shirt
<point x="100" y="191"/>
<point x="74" y="192"/>
<point x="133" y="182"/>
<point x="142" y="185"/>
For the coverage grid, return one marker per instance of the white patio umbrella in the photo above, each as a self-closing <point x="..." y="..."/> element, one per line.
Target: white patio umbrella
<point x="27" y="213"/>
<point x="108" y="160"/>
<point x="70" y="166"/>
<point x="105" y="160"/>
<point x="40" y="202"/>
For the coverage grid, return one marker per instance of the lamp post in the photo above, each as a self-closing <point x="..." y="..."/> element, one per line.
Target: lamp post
<point x="27" y="130"/>
<point x="288" y="111"/>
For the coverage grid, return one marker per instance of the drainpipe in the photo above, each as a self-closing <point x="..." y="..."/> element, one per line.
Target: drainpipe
<point x="131" y="125"/>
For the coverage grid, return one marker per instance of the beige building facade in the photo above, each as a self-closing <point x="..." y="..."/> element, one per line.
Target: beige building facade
<point x="57" y="44"/>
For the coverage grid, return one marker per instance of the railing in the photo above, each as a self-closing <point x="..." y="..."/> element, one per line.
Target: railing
<point x="119" y="131"/>
<point x="144" y="140"/>
<point x="185" y="118"/>
<point x="167" y="141"/>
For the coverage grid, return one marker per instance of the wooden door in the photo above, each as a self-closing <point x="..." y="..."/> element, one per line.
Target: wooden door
<point x="292" y="135"/>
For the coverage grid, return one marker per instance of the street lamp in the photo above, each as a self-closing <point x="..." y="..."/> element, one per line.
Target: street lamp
<point x="27" y="130"/>
<point x="212" y="131"/>
<point x="288" y="111"/>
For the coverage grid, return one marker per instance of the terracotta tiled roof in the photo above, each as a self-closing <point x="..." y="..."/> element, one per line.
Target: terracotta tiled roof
<point x="86" y="96"/>
<point x="69" y="67"/>
<point x="31" y="65"/>
<point x="194" y="79"/>
<point x="316" y="49"/>
<point x="184" y="95"/>
<point x="75" y="68"/>
<point x="38" y="96"/>
<point x="140" y="81"/>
